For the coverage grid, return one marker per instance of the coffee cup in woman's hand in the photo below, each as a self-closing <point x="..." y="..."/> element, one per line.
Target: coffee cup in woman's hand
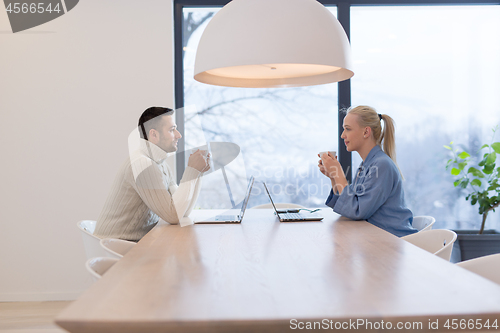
<point x="330" y="153"/>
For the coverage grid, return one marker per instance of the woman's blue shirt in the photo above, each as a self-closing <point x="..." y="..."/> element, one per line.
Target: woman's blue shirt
<point x="376" y="195"/>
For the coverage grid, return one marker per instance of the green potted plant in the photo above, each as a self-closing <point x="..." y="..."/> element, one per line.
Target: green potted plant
<point x="480" y="181"/>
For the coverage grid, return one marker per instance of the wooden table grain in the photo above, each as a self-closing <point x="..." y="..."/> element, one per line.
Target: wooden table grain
<point x="266" y="276"/>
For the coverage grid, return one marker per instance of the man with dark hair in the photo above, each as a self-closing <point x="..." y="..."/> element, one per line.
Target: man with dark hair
<point x="150" y="119"/>
<point x="145" y="190"/>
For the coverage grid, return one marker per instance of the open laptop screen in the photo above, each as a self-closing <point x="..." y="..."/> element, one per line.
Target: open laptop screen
<point x="247" y="197"/>
<point x="270" y="198"/>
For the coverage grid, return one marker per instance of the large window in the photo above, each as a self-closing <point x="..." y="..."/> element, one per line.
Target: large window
<point x="433" y="68"/>
<point x="280" y="131"/>
<point x="436" y="71"/>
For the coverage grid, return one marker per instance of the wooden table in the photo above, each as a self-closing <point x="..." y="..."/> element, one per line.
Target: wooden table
<point x="266" y="276"/>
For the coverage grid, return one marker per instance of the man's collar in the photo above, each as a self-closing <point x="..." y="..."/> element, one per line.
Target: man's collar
<point x="152" y="151"/>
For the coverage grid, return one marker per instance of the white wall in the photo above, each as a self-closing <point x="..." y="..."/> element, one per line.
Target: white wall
<point x="71" y="90"/>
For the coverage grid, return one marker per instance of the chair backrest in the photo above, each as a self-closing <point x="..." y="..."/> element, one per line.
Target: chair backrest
<point x="437" y="241"/>
<point x="91" y="243"/>
<point x="100" y="265"/>
<point x="487" y="266"/>
<point x="116" y="248"/>
<point x="278" y="206"/>
<point x="422" y="223"/>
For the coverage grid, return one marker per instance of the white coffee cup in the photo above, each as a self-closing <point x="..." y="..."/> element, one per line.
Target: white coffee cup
<point x="332" y="152"/>
<point x="205" y="150"/>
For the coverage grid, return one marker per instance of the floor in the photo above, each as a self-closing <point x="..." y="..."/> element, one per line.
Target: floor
<point x="30" y="317"/>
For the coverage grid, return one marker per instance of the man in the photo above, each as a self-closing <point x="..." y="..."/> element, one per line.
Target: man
<point x="144" y="190"/>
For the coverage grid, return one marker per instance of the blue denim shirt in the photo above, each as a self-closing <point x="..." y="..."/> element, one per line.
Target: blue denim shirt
<point x="376" y="195"/>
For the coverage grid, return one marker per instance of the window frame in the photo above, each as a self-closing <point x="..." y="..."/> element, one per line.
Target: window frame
<point x="344" y="87"/>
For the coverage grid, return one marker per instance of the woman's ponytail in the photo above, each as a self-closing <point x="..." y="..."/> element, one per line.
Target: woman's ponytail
<point x="388" y="138"/>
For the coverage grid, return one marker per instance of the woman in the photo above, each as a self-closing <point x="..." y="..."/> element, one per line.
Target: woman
<point x="376" y="195"/>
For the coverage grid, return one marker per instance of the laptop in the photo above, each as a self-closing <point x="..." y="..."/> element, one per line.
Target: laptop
<point x="292" y="217"/>
<point x="232" y="218"/>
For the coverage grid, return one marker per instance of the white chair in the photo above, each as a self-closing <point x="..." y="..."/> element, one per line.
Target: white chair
<point x="487" y="266"/>
<point x="91" y="243"/>
<point x="100" y="265"/>
<point x="422" y="223"/>
<point x="116" y="248"/>
<point x="437" y="241"/>
<point x="278" y="206"/>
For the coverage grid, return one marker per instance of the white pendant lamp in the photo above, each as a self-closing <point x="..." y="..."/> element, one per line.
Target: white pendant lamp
<point x="273" y="43"/>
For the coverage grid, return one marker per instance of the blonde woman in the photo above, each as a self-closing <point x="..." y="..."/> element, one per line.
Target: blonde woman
<point x="376" y="194"/>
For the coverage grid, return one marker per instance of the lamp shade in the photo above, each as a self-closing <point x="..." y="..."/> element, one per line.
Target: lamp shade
<point x="273" y="43"/>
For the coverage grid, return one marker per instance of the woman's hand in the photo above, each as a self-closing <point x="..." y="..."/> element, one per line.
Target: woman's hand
<point x="330" y="167"/>
<point x="322" y="167"/>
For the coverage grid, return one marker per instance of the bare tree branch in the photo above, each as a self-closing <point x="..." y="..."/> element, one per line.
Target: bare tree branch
<point x="189" y="26"/>
<point x="210" y="108"/>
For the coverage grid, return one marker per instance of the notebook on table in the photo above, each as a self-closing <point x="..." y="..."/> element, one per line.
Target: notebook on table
<point x="232" y="218"/>
<point x="292" y="217"/>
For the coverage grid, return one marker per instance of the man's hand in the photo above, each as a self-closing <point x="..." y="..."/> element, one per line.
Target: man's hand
<point x="198" y="161"/>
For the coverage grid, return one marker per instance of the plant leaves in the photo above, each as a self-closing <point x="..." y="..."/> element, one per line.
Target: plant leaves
<point x="455" y="171"/>
<point x="488" y="169"/>
<point x="484" y="146"/>
<point x="483" y="203"/>
<point x="471" y="170"/>
<point x="483" y="161"/>
<point x="462" y="165"/>
<point x="464" y="183"/>
<point x="496" y="147"/>
<point x="456" y="182"/>
<point x="463" y="155"/>
<point x="447" y="147"/>
<point x="476" y="182"/>
<point x="491" y="158"/>
<point x="475" y="172"/>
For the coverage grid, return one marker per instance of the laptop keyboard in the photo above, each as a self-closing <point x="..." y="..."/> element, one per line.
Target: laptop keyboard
<point x="227" y="217"/>
<point x="295" y="216"/>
